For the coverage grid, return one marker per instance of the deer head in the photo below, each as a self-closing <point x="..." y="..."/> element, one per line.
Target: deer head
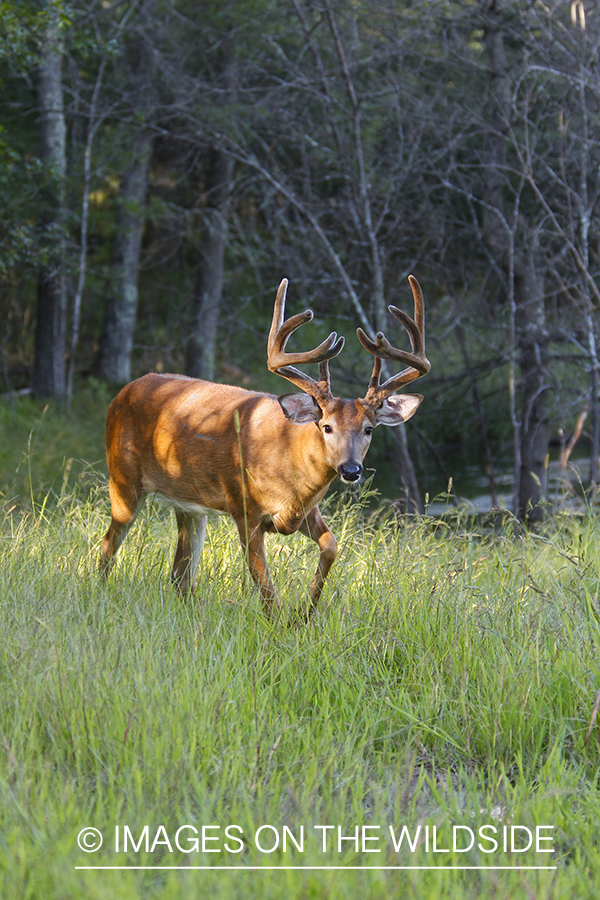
<point x="346" y="426"/>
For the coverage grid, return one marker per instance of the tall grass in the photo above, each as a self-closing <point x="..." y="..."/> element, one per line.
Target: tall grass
<point x="447" y="678"/>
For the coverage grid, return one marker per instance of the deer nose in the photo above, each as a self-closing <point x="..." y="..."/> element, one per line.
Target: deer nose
<point x="350" y="472"/>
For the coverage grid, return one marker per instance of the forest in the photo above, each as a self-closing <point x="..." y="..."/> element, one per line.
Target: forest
<point x="164" y="164"/>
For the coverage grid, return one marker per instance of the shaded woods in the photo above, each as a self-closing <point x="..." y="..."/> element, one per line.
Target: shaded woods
<point x="165" y="164"/>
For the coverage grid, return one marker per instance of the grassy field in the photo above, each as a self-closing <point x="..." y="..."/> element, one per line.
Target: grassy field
<point x="45" y="451"/>
<point x="448" y="679"/>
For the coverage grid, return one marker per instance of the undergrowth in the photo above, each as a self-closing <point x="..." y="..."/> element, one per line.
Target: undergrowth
<point x="448" y="678"/>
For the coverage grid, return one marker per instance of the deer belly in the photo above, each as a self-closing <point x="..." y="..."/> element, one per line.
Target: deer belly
<point x="195" y="508"/>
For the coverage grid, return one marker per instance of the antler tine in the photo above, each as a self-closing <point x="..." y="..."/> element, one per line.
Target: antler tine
<point x="324" y="376"/>
<point x="419" y="304"/>
<point x="282" y="363"/>
<point x="417" y="362"/>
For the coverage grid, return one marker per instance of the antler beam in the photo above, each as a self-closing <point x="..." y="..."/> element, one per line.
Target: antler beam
<point x="284" y="364"/>
<point x="417" y="362"/>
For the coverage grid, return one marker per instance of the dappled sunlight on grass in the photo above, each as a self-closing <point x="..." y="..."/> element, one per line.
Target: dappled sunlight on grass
<point x="447" y="674"/>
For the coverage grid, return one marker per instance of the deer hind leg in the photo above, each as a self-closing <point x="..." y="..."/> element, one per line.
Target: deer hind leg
<point x="190" y="541"/>
<point x="314" y="527"/>
<point x="125" y="503"/>
<point x="259" y="567"/>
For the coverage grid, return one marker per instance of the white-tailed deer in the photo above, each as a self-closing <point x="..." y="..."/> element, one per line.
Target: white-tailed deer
<point x="266" y="461"/>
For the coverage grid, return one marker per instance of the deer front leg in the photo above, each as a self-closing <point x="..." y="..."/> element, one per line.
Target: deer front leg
<point x="259" y="568"/>
<point x="314" y="527"/>
<point x="190" y="541"/>
<point x="125" y="501"/>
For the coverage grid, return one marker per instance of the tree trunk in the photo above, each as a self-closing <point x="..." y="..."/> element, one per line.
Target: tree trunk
<point x="531" y="337"/>
<point x="49" y="353"/>
<point x="201" y="350"/>
<point x="409" y="497"/>
<point x="480" y="412"/>
<point x="594" y="389"/>
<point x="533" y="362"/>
<point x="116" y="341"/>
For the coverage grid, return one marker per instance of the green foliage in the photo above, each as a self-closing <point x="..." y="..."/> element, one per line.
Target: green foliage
<point x="17" y="230"/>
<point x="44" y="448"/>
<point x="267" y="81"/>
<point x="23" y="243"/>
<point x="20" y="24"/>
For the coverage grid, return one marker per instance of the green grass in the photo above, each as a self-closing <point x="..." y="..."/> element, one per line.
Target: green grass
<point x="447" y="678"/>
<point x="44" y="449"/>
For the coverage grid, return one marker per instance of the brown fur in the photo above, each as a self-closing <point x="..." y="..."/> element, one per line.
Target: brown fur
<point x="266" y="461"/>
<point x="177" y="436"/>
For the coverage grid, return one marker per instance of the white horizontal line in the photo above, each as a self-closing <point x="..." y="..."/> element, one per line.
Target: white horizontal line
<point x="329" y="868"/>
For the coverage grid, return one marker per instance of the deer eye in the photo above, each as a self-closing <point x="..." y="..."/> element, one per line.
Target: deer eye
<point x="327" y="429"/>
<point x="368" y="430"/>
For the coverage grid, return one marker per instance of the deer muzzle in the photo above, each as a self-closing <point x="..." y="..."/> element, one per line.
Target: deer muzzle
<point x="350" y="472"/>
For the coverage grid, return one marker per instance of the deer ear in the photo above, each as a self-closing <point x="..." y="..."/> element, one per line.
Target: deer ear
<point x="299" y="408"/>
<point x="398" y="408"/>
